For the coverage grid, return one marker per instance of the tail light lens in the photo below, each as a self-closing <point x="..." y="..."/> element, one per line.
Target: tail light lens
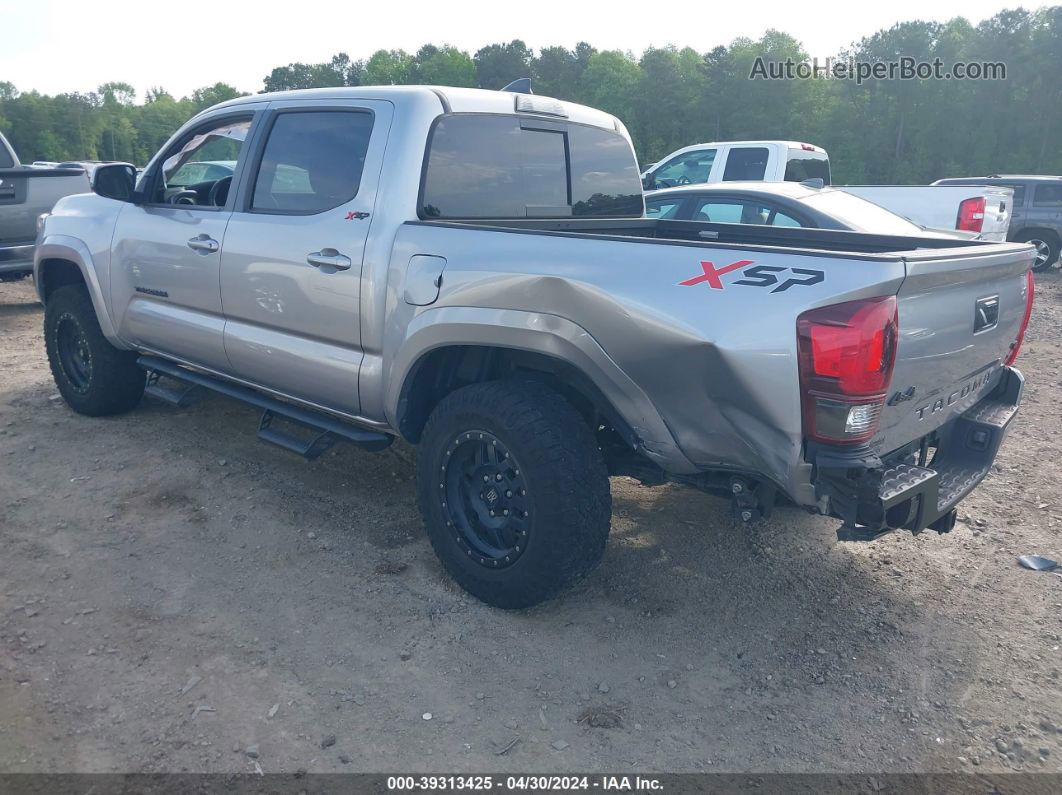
<point x="1016" y="347"/>
<point x="971" y="214"/>
<point x="846" y="353"/>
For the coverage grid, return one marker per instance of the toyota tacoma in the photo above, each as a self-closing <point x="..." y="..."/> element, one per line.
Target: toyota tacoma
<point x="473" y="272"/>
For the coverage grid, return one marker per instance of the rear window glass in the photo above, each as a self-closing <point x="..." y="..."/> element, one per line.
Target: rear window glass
<point x="1019" y="194"/>
<point x="662" y="208"/>
<point x="745" y="163"/>
<point x="859" y="214"/>
<point x="735" y="211"/>
<point x="803" y="165"/>
<point x="482" y="166"/>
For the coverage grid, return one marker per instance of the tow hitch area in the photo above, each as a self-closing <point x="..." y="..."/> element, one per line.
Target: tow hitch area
<point x="909" y="489"/>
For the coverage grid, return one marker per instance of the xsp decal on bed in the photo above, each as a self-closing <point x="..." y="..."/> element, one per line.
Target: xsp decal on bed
<point x="755" y="276"/>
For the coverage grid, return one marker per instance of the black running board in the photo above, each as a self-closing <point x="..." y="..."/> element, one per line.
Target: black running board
<point x="327" y="430"/>
<point x="175" y="396"/>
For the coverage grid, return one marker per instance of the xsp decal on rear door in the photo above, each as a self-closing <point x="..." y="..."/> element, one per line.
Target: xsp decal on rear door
<point x="755" y="276"/>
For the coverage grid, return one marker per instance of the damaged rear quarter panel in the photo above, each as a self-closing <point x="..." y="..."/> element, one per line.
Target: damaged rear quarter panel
<point x="717" y="363"/>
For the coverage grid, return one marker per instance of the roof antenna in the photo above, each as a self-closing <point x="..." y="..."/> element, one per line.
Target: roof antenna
<point x="519" y="86"/>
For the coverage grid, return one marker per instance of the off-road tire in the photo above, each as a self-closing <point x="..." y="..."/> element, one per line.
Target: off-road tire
<point x="568" y="503"/>
<point x="103" y="380"/>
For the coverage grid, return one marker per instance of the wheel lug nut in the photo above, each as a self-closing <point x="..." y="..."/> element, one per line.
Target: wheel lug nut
<point x="492" y="512"/>
<point x="508" y="493"/>
<point x="505" y="512"/>
<point x="486" y="478"/>
<point x="498" y="476"/>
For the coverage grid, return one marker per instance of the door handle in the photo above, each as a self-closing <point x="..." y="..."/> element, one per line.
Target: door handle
<point x="204" y="243"/>
<point x="328" y="258"/>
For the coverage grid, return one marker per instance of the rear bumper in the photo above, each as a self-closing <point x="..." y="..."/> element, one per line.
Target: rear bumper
<point x="16" y="258"/>
<point x="874" y="496"/>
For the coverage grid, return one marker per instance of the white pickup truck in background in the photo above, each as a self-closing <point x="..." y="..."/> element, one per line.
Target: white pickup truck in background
<point x="985" y="211"/>
<point x="739" y="161"/>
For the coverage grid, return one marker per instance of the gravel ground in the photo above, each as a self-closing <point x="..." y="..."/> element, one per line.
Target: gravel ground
<point x="175" y="596"/>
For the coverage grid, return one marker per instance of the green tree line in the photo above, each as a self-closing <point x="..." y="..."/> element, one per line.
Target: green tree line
<point x="882" y="130"/>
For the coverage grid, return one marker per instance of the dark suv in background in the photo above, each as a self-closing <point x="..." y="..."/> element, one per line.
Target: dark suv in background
<point x="1037" y="211"/>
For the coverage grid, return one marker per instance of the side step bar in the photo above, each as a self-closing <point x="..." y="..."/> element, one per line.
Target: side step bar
<point x="175" y="397"/>
<point x="328" y="430"/>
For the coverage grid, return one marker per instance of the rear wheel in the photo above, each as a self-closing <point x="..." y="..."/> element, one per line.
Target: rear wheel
<point x="1047" y="248"/>
<point x="93" y="376"/>
<point x="514" y="491"/>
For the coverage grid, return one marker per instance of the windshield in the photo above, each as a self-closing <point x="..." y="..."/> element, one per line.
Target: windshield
<point x="859" y="214"/>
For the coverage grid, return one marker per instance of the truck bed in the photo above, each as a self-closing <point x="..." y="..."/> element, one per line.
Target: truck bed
<point x="637" y="289"/>
<point x="700" y="232"/>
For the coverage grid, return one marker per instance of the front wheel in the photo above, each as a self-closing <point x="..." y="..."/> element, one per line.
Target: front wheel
<point x="514" y="491"/>
<point x="93" y="376"/>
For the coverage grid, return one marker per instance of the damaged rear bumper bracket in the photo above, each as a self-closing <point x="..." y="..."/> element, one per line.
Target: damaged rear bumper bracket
<point x="874" y="497"/>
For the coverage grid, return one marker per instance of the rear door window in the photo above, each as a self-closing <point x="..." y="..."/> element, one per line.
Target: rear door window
<point x="1019" y="194"/>
<point x="1047" y="195"/>
<point x="5" y="158"/>
<point x="312" y="161"/>
<point x="486" y="166"/>
<point x="745" y="163"/>
<point x="735" y="211"/>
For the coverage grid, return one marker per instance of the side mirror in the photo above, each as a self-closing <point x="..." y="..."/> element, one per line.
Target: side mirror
<point x="648" y="181"/>
<point x="115" y="181"/>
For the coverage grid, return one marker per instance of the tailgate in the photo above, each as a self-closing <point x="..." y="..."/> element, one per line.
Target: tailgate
<point x="27" y="192"/>
<point x="999" y="202"/>
<point x="959" y="314"/>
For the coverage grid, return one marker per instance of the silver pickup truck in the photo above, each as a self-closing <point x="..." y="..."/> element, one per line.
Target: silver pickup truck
<point x="25" y="193"/>
<point x="472" y="271"/>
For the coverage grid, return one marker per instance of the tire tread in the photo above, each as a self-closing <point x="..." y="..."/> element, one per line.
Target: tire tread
<point x="573" y="502"/>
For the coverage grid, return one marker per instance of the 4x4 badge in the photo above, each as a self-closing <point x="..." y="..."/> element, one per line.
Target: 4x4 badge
<point x="900" y="397"/>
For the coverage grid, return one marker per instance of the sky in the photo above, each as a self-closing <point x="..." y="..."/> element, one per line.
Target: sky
<point x="53" y="48"/>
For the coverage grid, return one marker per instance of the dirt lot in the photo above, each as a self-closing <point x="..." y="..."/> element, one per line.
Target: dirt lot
<point x="176" y="596"/>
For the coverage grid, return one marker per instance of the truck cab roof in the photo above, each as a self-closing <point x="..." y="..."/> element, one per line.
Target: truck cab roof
<point x="448" y="100"/>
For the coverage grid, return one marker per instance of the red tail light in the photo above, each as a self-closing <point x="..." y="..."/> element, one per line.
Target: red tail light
<point x="1016" y="347"/>
<point x="971" y="214"/>
<point x="846" y="354"/>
